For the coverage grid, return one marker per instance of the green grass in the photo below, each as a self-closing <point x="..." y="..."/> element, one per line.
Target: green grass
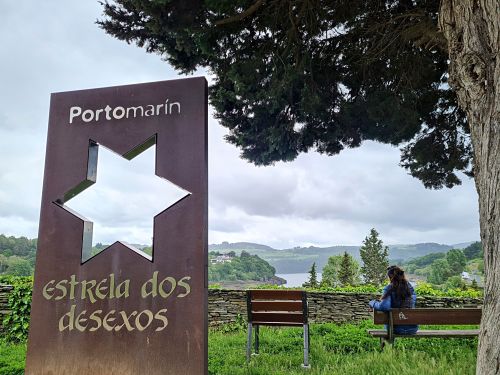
<point x="12" y="358"/>
<point x="339" y="349"/>
<point x="335" y="349"/>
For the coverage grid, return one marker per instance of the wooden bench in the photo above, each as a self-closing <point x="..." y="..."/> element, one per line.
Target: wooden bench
<point x="425" y="316"/>
<point x="277" y="308"/>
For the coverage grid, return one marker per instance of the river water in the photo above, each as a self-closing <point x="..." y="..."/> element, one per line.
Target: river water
<point x="296" y="279"/>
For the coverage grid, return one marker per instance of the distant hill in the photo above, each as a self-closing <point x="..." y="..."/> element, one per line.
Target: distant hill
<point x="18" y="253"/>
<point x="239" y="246"/>
<point x="462" y="245"/>
<point x="300" y="259"/>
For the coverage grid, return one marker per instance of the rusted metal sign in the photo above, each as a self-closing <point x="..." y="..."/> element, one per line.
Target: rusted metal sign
<point x="121" y="312"/>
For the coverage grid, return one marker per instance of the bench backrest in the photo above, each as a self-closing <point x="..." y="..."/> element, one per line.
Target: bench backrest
<point x="428" y="316"/>
<point x="277" y="307"/>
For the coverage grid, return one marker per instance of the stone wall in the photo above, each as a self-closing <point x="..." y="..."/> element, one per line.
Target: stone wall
<point x="224" y="306"/>
<point x="4" y="295"/>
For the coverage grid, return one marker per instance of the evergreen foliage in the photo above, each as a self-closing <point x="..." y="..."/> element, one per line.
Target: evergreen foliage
<point x="375" y="259"/>
<point x="313" y="278"/>
<point x="341" y="270"/>
<point x="290" y="76"/>
<point x="347" y="271"/>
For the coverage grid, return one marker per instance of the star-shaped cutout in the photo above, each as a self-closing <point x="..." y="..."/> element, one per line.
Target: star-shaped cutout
<point x="123" y="201"/>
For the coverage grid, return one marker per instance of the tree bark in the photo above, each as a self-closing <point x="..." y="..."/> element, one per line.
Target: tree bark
<point x="472" y="29"/>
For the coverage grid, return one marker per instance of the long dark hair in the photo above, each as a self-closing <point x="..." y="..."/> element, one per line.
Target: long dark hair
<point x="399" y="286"/>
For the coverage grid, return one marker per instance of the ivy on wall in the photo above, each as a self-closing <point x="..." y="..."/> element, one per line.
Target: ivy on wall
<point x="16" y="324"/>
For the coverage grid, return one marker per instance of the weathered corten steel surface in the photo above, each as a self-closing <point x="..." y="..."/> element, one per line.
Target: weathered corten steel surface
<point x="118" y="312"/>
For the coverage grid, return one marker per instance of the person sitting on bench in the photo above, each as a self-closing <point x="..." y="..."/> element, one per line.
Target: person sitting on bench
<point x="398" y="294"/>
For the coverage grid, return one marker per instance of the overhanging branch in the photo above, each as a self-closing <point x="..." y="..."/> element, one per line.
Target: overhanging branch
<point x="238" y="17"/>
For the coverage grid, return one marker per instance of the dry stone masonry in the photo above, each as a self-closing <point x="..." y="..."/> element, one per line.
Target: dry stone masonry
<point x="4" y="307"/>
<point x="224" y="306"/>
<point x="227" y="306"/>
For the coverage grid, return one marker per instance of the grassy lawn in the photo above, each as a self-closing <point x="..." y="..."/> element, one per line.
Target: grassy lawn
<point x="335" y="349"/>
<point x="12" y="359"/>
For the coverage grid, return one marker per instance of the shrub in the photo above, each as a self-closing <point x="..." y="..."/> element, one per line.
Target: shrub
<point x="16" y="324"/>
<point x="367" y="288"/>
<point x="422" y="289"/>
<point x="426" y="289"/>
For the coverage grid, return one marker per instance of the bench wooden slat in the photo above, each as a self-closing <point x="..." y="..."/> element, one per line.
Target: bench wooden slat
<point x="276" y="306"/>
<point x="287" y="317"/>
<point x="290" y="295"/>
<point x="429" y="333"/>
<point x="277" y="324"/>
<point x="429" y="316"/>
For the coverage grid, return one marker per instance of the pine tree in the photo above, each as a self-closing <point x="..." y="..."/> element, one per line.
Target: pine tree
<point x="347" y="271"/>
<point x="313" y="277"/>
<point x="375" y="259"/>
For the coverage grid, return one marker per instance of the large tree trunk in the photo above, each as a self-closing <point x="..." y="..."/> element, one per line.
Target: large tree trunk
<point x="472" y="28"/>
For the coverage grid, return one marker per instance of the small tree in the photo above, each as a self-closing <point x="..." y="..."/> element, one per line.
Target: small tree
<point x="455" y="282"/>
<point x="348" y="271"/>
<point x="330" y="272"/>
<point x="440" y="272"/>
<point x="332" y="275"/>
<point x="457" y="261"/>
<point x="313" y="278"/>
<point x="375" y="259"/>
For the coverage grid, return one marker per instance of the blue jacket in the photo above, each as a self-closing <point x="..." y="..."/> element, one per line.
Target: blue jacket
<point x="392" y="301"/>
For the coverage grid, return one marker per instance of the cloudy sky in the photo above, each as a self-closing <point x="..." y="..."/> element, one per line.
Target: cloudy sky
<point x="54" y="46"/>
